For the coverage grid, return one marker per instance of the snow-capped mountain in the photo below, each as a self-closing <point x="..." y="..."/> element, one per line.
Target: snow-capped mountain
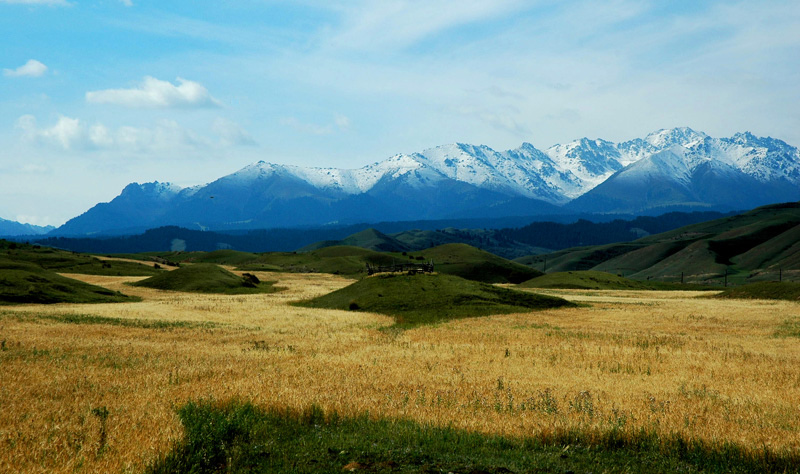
<point x="681" y="168"/>
<point x="675" y="168"/>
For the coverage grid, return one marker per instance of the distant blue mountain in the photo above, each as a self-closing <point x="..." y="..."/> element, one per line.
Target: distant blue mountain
<point x="675" y="169"/>
<point x="15" y="229"/>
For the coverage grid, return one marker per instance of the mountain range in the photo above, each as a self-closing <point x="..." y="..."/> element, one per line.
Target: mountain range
<point x="668" y="170"/>
<point x="11" y="228"/>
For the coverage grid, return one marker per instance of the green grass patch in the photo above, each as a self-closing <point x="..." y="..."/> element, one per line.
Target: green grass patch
<point x="22" y="282"/>
<point x="93" y="319"/>
<point x="584" y="280"/>
<point x="337" y="260"/>
<point x="765" y="290"/>
<point x="423" y="299"/>
<point x="789" y="328"/>
<point x="61" y="261"/>
<point x="236" y="437"/>
<point x="221" y="257"/>
<point x="206" y="278"/>
<point x="596" y="280"/>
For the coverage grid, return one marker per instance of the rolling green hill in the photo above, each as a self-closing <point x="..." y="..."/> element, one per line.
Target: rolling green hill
<point x="422" y="299"/>
<point x="62" y="261"/>
<point x="757" y="245"/>
<point x="416" y="240"/>
<point x="369" y="239"/>
<point x="455" y="259"/>
<point x="765" y="290"/>
<point x="23" y="282"/>
<point x="585" y="280"/>
<point x="339" y="260"/>
<point x="596" y="280"/>
<point x="474" y="264"/>
<point x="205" y="278"/>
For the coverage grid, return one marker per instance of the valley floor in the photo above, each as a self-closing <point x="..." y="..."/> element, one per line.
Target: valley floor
<point x="95" y="388"/>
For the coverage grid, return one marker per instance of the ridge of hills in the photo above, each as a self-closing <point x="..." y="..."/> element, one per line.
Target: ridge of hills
<point x="30" y="274"/>
<point x="675" y="169"/>
<point x="519" y="237"/>
<point x="762" y="244"/>
<point x="453" y="259"/>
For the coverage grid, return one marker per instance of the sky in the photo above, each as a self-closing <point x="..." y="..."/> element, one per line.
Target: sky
<point x="98" y="94"/>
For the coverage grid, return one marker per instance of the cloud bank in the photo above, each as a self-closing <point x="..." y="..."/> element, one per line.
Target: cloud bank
<point x="155" y="93"/>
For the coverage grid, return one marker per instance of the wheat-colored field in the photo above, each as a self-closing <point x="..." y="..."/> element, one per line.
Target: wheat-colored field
<point x="96" y="397"/>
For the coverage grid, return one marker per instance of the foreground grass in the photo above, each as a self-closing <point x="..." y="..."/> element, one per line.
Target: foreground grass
<point x="424" y="299"/>
<point x="82" y="319"/>
<point x="90" y="394"/>
<point x="238" y="437"/>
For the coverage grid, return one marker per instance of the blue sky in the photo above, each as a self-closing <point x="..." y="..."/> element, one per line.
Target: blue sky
<point x="97" y="94"/>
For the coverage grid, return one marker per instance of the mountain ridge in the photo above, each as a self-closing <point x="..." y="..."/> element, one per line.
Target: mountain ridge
<point x="677" y="168"/>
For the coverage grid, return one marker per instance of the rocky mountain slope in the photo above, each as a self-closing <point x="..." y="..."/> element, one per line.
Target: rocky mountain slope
<point x="676" y="169"/>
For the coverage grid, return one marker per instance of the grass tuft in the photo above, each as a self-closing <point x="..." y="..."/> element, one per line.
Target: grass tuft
<point x="238" y="437"/>
<point x="91" y="319"/>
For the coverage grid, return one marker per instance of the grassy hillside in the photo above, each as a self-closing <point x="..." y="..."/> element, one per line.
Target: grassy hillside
<point x="765" y="290"/>
<point x="596" y="280"/>
<point x="369" y="239"/>
<point x="422" y="299"/>
<point x="474" y="264"/>
<point x="220" y="257"/>
<point x="754" y="245"/>
<point x="339" y="260"/>
<point x="22" y="282"/>
<point x="205" y="278"/>
<point x="577" y="259"/>
<point x="454" y="259"/>
<point x="588" y="280"/>
<point x="61" y="261"/>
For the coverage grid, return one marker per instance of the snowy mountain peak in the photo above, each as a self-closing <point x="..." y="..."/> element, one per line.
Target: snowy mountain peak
<point x="666" y="138"/>
<point x="154" y="190"/>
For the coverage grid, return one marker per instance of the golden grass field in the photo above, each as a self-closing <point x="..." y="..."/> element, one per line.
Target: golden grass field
<point x="665" y="361"/>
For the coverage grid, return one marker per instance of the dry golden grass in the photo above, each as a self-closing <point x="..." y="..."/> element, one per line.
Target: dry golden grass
<point x="705" y="369"/>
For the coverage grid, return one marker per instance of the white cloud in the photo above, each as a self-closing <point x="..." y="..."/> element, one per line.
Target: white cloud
<point x="155" y="93"/>
<point x="501" y="118"/>
<point x="32" y="68"/>
<point x="34" y="220"/>
<point x="68" y="133"/>
<point x="399" y="23"/>
<point x="73" y="134"/>
<point x="127" y="3"/>
<point x="231" y="133"/>
<point x="340" y="123"/>
<point x="307" y="128"/>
